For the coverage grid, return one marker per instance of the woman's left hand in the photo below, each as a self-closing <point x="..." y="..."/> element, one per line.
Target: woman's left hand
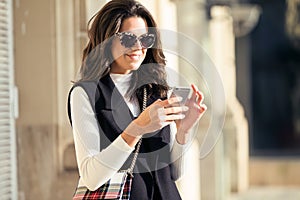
<point x="192" y="116"/>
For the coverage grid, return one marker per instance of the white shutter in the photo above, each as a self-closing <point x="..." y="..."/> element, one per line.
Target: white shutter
<point x="8" y="169"/>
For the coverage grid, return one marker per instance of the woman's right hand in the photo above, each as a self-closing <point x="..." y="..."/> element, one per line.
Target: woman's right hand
<point x="156" y="116"/>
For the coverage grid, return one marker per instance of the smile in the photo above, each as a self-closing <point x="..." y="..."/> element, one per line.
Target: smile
<point x="134" y="56"/>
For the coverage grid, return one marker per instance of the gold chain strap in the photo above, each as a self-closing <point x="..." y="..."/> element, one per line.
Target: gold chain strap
<point x="135" y="154"/>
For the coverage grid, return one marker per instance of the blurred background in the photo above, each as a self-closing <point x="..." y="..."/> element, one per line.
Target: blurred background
<point x="254" y="45"/>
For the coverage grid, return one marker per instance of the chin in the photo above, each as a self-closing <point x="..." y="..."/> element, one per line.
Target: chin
<point x="135" y="66"/>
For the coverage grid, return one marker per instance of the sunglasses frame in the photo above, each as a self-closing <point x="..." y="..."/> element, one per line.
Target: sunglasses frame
<point x="137" y="38"/>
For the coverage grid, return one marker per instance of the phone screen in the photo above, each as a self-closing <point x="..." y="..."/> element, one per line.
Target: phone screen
<point x="183" y="92"/>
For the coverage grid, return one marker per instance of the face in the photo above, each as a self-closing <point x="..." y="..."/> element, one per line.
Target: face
<point x="127" y="59"/>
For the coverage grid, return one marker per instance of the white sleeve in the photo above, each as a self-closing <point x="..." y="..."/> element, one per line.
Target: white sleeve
<point x="95" y="167"/>
<point x="177" y="154"/>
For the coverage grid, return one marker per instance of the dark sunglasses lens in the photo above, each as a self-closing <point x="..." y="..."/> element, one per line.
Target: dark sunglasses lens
<point x="128" y="40"/>
<point x="147" y="41"/>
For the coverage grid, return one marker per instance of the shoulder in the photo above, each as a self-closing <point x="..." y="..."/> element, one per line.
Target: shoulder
<point x="78" y="93"/>
<point x="87" y="86"/>
<point x="83" y="91"/>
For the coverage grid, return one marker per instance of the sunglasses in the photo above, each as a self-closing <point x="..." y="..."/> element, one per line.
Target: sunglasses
<point x="128" y="39"/>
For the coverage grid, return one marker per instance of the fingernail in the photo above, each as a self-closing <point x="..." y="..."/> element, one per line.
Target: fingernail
<point x="182" y="116"/>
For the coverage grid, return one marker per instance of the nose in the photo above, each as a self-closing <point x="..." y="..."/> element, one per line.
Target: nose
<point x="137" y="45"/>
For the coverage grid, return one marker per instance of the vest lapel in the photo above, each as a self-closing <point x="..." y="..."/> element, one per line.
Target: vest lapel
<point x="114" y="105"/>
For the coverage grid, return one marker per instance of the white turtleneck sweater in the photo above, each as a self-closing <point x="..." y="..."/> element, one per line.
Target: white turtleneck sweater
<point x="95" y="166"/>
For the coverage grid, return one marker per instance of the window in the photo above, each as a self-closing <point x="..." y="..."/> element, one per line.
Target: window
<point x="8" y="167"/>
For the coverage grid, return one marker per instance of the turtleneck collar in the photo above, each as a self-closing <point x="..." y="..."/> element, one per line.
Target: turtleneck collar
<point x="121" y="78"/>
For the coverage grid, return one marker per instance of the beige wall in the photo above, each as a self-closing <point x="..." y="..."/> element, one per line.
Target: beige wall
<point x="35" y="76"/>
<point x="35" y="61"/>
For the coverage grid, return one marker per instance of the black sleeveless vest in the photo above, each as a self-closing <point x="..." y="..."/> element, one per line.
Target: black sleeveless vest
<point x="152" y="176"/>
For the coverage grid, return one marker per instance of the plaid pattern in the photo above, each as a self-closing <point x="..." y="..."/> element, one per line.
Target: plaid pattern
<point x="117" y="188"/>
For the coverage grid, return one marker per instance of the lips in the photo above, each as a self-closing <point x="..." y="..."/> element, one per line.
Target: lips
<point x="134" y="56"/>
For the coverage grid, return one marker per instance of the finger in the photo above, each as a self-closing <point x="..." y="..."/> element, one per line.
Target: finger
<point x="174" y="110"/>
<point x="174" y="117"/>
<point x="162" y="117"/>
<point x="169" y="102"/>
<point x="194" y="87"/>
<point x="200" y="97"/>
<point x="203" y="108"/>
<point x="163" y="124"/>
<point x="196" y="106"/>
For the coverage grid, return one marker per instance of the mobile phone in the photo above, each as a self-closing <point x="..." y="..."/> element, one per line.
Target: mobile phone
<point x="183" y="92"/>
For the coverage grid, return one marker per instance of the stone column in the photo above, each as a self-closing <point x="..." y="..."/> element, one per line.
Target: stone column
<point x="65" y="67"/>
<point x="191" y="21"/>
<point x="236" y="127"/>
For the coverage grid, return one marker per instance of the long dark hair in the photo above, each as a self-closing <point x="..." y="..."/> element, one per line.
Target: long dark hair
<point x="97" y="55"/>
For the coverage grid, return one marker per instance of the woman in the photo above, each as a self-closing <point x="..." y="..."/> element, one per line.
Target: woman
<point x="122" y="59"/>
